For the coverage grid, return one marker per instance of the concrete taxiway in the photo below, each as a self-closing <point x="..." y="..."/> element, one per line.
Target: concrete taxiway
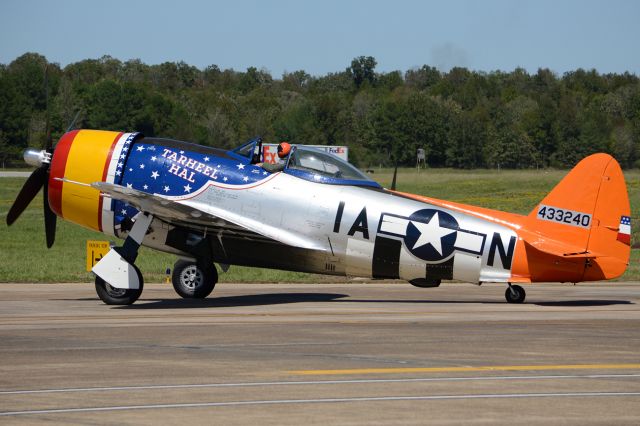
<point x="322" y="354"/>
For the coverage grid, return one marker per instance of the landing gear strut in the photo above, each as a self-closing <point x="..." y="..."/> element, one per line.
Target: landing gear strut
<point x="118" y="279"/>
<point x="515" y="294"/>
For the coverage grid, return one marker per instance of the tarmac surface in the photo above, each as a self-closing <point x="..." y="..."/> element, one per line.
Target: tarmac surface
<point x="322" y="354"/>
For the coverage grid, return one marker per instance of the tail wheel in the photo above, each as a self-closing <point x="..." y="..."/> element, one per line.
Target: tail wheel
<point x="118" y="296"/>
<point x="515" y="294"/>
<point x="192" y="280"/>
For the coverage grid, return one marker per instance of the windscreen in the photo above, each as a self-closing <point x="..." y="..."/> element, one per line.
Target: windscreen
<point x="326" y="165"/>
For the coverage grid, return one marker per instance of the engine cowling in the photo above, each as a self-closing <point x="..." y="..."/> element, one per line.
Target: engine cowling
<point x="84" y="156"/>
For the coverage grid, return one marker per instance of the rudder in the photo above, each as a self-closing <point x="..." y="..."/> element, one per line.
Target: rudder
<point x="610" y="234"/>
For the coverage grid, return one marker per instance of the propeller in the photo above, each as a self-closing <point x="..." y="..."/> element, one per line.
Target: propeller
<point x="28" y="192"/>
<point x="50" y="217"/>
<point x="39" y="178"/>
<point x="36" y="181"/>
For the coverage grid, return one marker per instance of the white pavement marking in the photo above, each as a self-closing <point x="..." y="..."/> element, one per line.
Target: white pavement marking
<point x="320" y="382"/>
<point x="323" y="400"/>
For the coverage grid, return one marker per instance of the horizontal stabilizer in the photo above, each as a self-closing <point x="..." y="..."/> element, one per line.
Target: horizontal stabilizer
<point x="554" y="247"/>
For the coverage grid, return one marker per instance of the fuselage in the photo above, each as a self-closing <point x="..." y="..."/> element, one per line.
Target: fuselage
<point x="283" y="221"/>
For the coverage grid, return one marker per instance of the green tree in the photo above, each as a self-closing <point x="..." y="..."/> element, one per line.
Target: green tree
<point x="362" y="70"/>
<point x="463" y="118"/>
<point x="423" y="78"/>
<point x="467" y="137"/>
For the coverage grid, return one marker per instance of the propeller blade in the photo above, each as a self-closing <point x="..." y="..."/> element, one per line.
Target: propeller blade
<point x="73" y="122"/>
<point x="395" y="174"/>
<point x="48" y="142"/>
<point x="49" y="218"/>
<point x="28" y="192"/>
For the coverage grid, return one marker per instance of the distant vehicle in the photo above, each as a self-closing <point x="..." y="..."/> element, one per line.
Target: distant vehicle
<point x="319" y="215"/>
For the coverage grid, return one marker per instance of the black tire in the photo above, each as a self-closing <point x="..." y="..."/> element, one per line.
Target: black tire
<point x="192" y="280"/>
<point x="116" y="296"/>
<point x="515" y="294"/>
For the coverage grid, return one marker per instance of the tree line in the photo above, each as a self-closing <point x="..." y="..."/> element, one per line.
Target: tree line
<point x="461" y="118"/>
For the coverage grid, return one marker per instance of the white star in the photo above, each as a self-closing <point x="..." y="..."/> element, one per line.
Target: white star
<point x="120" y="164"/>
<point x="125" y="149"/>
<point x="264" y="173"/>
<point x="129" y="185"/>
<point x="218" y="166"/>
<point x="154" y="158"/>
<point x="118" y="172"/>
<point x="224" y="179"/>
<point x="431" y="233"/>
<point x="142" y="166"/>
<point x="240" y="166"/>
<point x="187" y="188"/>
<point x="141" y="148"/>
<point x="123" y="211"/>
<point x="246" y="178"/>
<point x="127" y="141"/>
<point x="181" y="152"/>
<point x="145" y="187"/>
<point x="206" y="158"/>
<point x="130" y="169"/>
<point x="166" y="189"/>
<point x="122" y="156"/>
<point x="155" y="174"/>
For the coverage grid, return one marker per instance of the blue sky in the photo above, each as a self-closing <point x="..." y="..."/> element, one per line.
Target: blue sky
<point x="323" y="36"/>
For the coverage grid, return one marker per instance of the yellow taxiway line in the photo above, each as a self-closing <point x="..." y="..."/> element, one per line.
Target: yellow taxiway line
<point x="465" y="369"/>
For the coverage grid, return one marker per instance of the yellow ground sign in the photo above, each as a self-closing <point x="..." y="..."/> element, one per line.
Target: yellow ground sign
<point x="96" y="250"/>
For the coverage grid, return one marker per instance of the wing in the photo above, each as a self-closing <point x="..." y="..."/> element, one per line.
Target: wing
<point x="181" y="213"/>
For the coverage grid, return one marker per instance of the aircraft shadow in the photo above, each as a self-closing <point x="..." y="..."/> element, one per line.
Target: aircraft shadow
<point x="233" y="301"/>
<point x="430" y="301"/>
<point x="587" y="303"/>
<point x="578" y="303"/>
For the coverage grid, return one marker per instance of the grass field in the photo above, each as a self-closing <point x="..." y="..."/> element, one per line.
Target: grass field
<point x="25" y="258"/>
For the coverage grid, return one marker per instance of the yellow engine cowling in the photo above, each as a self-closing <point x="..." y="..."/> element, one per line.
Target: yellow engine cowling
<point x="82" y="156"/>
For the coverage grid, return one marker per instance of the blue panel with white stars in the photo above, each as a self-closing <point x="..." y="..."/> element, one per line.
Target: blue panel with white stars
<point x="175" y="171"/>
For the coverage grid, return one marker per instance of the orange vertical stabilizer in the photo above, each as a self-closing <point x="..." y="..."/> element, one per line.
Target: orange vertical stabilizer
<point x="573" y="233"/>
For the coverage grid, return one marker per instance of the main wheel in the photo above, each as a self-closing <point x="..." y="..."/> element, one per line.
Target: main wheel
<point x="118" y="296"/>
<point x="192" y="280"/>
<point x="515" y="294"/>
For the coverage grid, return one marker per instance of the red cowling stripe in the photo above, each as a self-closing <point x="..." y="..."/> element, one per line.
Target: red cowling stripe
<point x="57" y="170"/>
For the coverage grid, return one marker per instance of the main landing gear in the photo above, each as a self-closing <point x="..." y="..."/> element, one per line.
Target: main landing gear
<point x="515" y="294"/>
<point x="190" y="280"/>
<point x="118" y="279"/>
<point x="118" y="296"/>
<point x="194" y="280"/>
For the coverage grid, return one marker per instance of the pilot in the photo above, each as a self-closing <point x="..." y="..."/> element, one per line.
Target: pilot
<point x="283" y="151"/>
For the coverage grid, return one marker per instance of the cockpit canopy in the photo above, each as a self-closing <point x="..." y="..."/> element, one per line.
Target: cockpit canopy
<point x="310" y="164"/>
<point x="318" y="166"/>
